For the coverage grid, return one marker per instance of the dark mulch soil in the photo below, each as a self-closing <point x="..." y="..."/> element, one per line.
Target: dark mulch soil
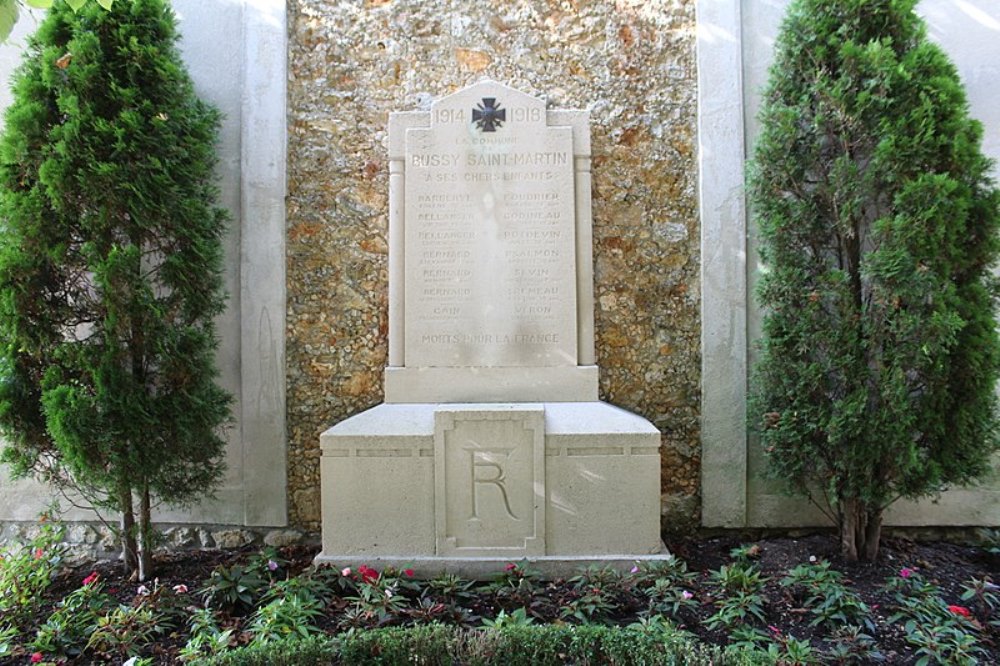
<point x="948" y="566"/>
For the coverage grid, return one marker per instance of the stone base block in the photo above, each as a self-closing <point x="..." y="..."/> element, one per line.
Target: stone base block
<point x="465" y="486"/>
<point x="485" y="568"/>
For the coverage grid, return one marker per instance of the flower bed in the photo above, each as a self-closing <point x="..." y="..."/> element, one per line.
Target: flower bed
<point x="778" y="599"/>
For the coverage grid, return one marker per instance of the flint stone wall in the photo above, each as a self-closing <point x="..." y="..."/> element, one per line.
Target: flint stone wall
<point x="631" y="63"/>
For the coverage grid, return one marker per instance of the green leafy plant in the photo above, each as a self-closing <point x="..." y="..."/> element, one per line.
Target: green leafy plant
<point x="666" y="598"/>
<point x="520" y="586"/>
<point x="942" y="633"/>
<point x="791" y="651"/>
<point x="749" y="638"/>
<point x="878" y="225"/>
<point x="590" y="605"/>
<point x="450" y="587"/>
<point x="126" y="630"/>
<point x="234" y="589"/>
<point x="745" y="553"/>
<point x="943" y="645"/>
<point x="27" y="570"/>
<point x="737" y="609"/>
<point x="309" y="587"/>
<point x="598" y="592"/>
<point x="206" y="637"/>
<point x="377" y="603"/>
<point x="984" y="594"/>
<point x="8" y="637"/>
<point x="268" y="564"/>
<point x="170" y="604"/>
<point x="670" y="568"/>
<point x="918" y="599"/>
<point x="68" y="628"/>
<point x="429" y="610"/>
<point x="518" y="618"/>
<point x="111" y="268"/>
<point x="288" y="616"/>
<point x="738" y="577"/>
<point x="851" y="645"/>
<point x="740" y="595"/>
<point x="822" y="590"/>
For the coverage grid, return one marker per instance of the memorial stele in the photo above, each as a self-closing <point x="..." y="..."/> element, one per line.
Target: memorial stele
<point x="491" y="445"/>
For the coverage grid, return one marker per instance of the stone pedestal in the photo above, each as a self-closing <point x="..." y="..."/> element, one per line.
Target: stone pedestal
<point x="469" y="487"/>
<point x="492" y="445"/>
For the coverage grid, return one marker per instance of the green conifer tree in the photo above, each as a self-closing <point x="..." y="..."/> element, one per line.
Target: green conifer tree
<point x="878" y="225"/>
<point x="111" y="267"/>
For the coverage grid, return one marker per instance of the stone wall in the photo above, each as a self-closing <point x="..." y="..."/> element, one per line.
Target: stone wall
<point x="631" y="63"/>
<point x="90" y="540"/>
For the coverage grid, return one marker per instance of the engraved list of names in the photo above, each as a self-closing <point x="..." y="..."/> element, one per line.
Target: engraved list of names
<point x="489" y="236"/>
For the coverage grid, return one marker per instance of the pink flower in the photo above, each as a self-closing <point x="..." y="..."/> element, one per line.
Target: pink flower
<point x="39" y="553"/>
<point x="408" y="573"/>
<point x="367" y="574"/>
<point x="906" y="572"/>
<point x="91" y="578"/>
<point x="142" y="591"/>
<point x="510" y="566"/>
<point x="686" y="596"/>
<point x="181" y="589"/>
<point x="634" y="570"/>
<point x="272" y="565"/>
<point x="960" y="610"/>
<point x="345" y="572"/>
<point x="37" y="657"/>
<point x="774" y="630"/>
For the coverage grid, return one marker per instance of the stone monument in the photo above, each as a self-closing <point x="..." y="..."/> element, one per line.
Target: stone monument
<point x="491" y="445"/>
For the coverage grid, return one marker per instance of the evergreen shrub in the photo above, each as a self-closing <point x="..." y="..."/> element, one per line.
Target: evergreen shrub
<point x="111" y="267"/>
<point x="878" y="228"/>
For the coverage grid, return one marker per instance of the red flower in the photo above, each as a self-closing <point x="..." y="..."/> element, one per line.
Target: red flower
<point x="37" y="657"/>
<point x="367" y="574"/>
<point x="91" y="578"/>
<point x="960" y="610"/>
<point x="408" y="573"/>
<point x="39" y="554"/>
<point x="510" y="566"/>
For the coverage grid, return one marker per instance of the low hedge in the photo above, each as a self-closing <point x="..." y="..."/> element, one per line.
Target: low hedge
<point x="440" y="645"/>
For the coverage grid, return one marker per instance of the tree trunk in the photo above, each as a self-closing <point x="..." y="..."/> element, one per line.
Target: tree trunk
<point x="849" y="529"/>
<point x="127" y="527"/>
<point x="145" y="536"/>
<point x="873" y="535"/>
<point x="860" y="531"/>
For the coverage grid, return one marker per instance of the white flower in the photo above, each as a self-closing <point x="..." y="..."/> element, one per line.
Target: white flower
<point x="143" y="591"/>
<point x="812" y="558"/>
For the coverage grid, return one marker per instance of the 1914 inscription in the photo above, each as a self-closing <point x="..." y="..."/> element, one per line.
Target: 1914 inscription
<point x="489" y="236"/>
